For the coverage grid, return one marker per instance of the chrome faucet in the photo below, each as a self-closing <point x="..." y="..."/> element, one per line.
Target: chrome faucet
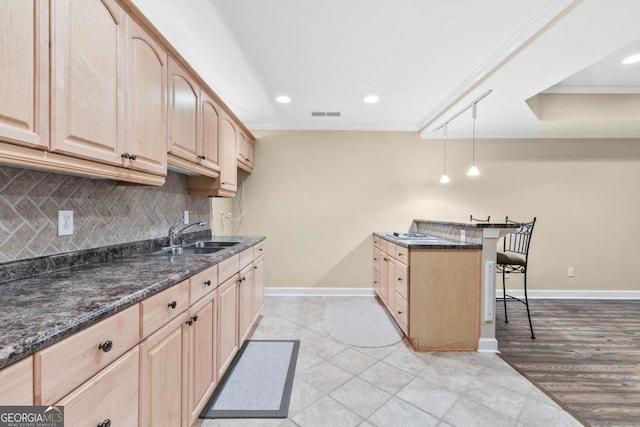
<point x="175" y="235"/>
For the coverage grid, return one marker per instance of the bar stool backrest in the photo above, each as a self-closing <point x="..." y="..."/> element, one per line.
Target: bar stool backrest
<point x="518" y="240"/>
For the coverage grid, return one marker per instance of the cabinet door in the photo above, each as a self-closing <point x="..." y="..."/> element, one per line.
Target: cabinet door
<point x="391" y="285"/>
<point x="246" y="315"/>
<point x="24" y="72"/>
<point x="202" y="355"/>
<point x="258" y="287"/>
<point x="16" y="383"/>
<point x="228" y="164"/>
<point x="210" y="134"/>
<point x="384" y="278"/>
<point x="242" y="148"/>
<point x="163" y="369"/>
<point x="227" y="323"/>
<point x="87" y="54"/>
<point x="111" y="396"/>
<point x="183" y="113"/>
<point x="146" y="136"/>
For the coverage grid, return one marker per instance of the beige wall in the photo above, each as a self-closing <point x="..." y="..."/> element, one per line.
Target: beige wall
<point x="317" y="196"/>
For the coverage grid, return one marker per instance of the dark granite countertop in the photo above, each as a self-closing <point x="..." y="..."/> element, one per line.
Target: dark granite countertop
<point x="42" y="309"/>
<point x="471" y="224"/>
<point x="435" y="243"/>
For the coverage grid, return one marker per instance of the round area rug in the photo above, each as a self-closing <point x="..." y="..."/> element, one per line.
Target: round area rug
<point x="361" y="323"/>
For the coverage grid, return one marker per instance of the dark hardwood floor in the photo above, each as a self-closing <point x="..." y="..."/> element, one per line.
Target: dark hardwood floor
<point x="586" y="355"/>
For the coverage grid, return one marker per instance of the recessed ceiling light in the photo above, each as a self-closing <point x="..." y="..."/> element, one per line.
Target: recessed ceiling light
<point x="631" y="59"/>
<point x="371" y="99"/>
<point x="283" y="99"/>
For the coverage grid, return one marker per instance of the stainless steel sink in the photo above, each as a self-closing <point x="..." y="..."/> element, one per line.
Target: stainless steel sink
<point x="211" y="244"/>
<point x="188" y="251"/>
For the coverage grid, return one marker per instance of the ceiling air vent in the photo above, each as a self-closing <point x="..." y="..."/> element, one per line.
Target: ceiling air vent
<point x="325" y="113"/>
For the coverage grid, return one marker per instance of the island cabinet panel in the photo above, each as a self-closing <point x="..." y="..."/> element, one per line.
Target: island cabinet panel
<point x="444" y="302"/>
<point x="110" y="397"/>
<point x="146" y="103"/>
<point x="87" y="66"/>
<point x="24" y="72"/>
<point x="87" y="352"/>
<point x="184" y="95"/>
<point x="16" y="383"/>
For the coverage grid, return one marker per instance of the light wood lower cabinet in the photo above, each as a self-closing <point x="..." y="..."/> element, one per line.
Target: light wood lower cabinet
<point x="109" y="398"/>
<point x="16" y="383"/>
<point x="246" y="297"/>
<point x="163" y="372"/>
<point x="433" y="294"/>
<point x="202" y="338"/>
<point x="227" y="323"/>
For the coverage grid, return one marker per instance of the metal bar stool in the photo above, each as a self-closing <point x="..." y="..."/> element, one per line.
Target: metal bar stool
<point x="514" y="259"/>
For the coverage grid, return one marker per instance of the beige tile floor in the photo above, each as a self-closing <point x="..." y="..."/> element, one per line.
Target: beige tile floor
<point x="339" y="385"/>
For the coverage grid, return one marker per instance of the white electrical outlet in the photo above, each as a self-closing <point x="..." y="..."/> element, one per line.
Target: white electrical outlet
<point x="571" y="272"/>
<point x="185" y="217"/>
<point x="65" y="223"/>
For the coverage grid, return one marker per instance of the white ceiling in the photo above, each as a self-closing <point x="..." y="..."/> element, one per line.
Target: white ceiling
<point x="425" y="59"/>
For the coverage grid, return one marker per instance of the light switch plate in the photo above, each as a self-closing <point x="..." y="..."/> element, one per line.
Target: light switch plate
<point x="65" y="223"/>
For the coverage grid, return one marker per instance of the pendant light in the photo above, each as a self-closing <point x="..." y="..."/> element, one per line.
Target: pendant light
<point x="473" y="170"/>
<point x="444" y="179"/>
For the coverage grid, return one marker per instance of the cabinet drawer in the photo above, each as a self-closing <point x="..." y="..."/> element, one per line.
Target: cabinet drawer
<point x="110" y="395"/>
<point x="16" y="383"/>
<point x="63" y="366"/>
<point x="383" y="245"/>
<point x="376" y="242"/>
<point x="228" y="268"/>
<point x="402" y="280"/>
<point x="402" y="313"/>
<point x="258" y="250"/>
<point x="246" y="257"/>
<point x="161" y="308"/>
<point x="376" y="280"/>
<point x="401" y="254"/>
<point x="202" y="283"/>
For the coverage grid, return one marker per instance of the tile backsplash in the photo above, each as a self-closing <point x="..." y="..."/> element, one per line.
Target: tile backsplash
<point x="103" y="212"/>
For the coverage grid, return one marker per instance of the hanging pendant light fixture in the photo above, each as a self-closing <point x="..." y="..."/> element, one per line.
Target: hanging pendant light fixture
<point x="444" y="179"/>
<point x="473" y="170"/>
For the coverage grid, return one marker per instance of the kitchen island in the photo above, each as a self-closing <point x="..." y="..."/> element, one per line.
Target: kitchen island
<point x="438" y="282"/>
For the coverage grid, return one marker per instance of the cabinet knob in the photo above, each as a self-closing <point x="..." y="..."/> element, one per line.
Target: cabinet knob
<point x="255" y="267"/>
<point x="385" y="259"/>
<point x="125" y="155"/>
<point x="105" y="423"/>
<point x="190" y="321"/>
<point x="399" y="254"/>
<point x="202" y="157"/>
<point x="399" y="279"/>
<point x="195" y="318"/>
<point x="207" y="282"/>
<point x="106" y="346"/>
<point x="172" y="304"/>
<point x="399" y="312"/>
<point x="133" y="156"/>
<point x="246" y="159"/>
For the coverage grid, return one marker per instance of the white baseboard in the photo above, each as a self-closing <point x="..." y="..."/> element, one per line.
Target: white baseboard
<point x="488" y="345"/>
<point x="318" y="292"/>
<point x="570" y="294"/>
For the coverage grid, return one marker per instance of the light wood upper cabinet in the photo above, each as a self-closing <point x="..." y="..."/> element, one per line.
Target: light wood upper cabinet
<point x="184" y="95"/>
<point x="227" y="323"/>
<point x="24" y="72"/>
<point x="146" y="106"/>
<point x="228" y="165"/>
<point x="210" y="134"/>
<point x="87" y="66"/>
<point x="245" y="152"/>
